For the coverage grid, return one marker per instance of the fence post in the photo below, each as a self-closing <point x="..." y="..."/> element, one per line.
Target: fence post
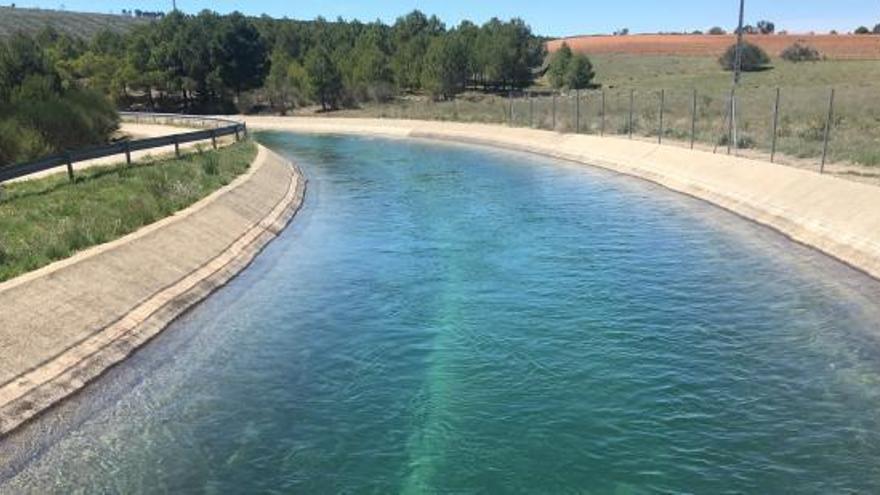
<point x="176" y="146"/>
<point x="577" y="112"/>
<point x="554" y="110"/>
<point x="69" y="166"/>
<point x="731" y="118"/>
<point x="602" y="124"/>
<point x="214" y="138"/>
<point x="693" y="118"/>
<point x="531" y="111"/>
<point x="510" y="111"/>
<point x="128" y="152"/>
<point x="662" y="104"/>
<point x="828" y="123"/>
<point x="244" y="128"/>
<point x="775" y="126"/>
<point x="632" y="96"/>
<point x="236" y="134"/>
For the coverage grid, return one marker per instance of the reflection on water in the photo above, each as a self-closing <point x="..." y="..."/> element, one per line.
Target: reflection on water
<point x="443" y="318"/>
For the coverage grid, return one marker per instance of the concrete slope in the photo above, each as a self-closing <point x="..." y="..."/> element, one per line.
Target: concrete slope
<point x="65" y="324"/>
<point x="839" y="217"/>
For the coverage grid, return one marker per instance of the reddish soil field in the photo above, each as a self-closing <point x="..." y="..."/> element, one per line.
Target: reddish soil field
<point x="841" y="47"/>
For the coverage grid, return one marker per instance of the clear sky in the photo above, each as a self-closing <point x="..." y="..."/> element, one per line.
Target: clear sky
<point x="548" y="17"/>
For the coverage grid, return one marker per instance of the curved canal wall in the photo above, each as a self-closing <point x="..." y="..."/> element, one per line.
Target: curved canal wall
<point x="838" y="217"/>
<point x="62" y="326"/>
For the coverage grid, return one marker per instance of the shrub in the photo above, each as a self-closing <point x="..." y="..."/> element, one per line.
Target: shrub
<point x="877" y="29"/>
<point x="716" y="31"/>
<point x="754" y="58"/>
<point x="579" y="73"/>
<point x="766" y="27"/>
<point x="862" y="30"/>
<point x="800" y="53"/>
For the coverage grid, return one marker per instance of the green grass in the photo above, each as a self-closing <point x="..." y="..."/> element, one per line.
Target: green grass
<point x="49" y="219"/>
<point x="805" y="91"/>
<point x="77" y="24"/>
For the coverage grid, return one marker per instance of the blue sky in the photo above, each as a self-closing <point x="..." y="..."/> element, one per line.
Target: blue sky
<point x="548" y="17"/>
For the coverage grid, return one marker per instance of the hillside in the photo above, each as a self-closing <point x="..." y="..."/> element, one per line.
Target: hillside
<point x="74" y="23"/>
<point x="838" y="47"/>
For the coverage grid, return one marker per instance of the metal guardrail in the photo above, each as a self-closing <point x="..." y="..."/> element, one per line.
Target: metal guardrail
<point x="221" y="127"/>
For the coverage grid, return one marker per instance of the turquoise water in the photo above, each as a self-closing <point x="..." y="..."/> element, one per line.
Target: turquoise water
<point x="451" y="319"/>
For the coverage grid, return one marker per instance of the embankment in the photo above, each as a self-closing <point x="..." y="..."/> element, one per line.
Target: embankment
<point x="65" y="324"/>
<point x="838" y="217"/>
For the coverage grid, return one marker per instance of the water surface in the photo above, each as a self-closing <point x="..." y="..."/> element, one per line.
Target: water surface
<point x="450" y="319"/>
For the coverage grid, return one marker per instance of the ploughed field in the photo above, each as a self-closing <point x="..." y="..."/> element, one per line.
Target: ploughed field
<point x="837" y="47"/>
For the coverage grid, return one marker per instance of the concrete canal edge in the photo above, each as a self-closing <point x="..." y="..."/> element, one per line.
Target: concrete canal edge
<point x="64" y="325"/>
<point x="838" y="217"/>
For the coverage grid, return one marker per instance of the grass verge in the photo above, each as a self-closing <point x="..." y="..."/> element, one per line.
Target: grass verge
<point x="45" y="220"/>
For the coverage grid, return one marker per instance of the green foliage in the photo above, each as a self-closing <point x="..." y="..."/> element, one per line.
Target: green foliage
<point x="800" y="53"/>
<point x="754" y="58"/>
<point x="862" y="30"/>
<point x="212" y="63"/>
<point x="558" y="67"/>
<point x="47" y="219"/>
<point x="286" y="83"/>
<point x="766" y="27"/>
<point x="445" y="70"/>
<point x="240" y="54"/>
<point x="41" y="113"/>
<point x="325" y="81"/>
<point x="717" y="31"/>
<point x="568" y="70"/>
<point x="579" y="74"/>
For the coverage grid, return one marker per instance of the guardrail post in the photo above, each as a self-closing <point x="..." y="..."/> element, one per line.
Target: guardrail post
<point x="236" y="134"/>
<point x="775" y="126"/>
<point x="70" y="167"/>
<point x="176" y="146"/>
<point x="828" y="123"/>
<point x="660" y="128"/>
<point x="214" y="138"/>
<point x="602" y="125"/>
<point x="693" y="118"/>
<point x="128" y="152"/>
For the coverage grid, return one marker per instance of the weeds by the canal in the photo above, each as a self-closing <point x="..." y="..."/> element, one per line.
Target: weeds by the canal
<point x="48" y="219"/>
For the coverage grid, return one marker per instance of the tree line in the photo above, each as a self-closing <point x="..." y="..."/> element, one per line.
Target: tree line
<point x="43" y="111"/>
<point x="206" y="62"/>
<point x="59" y="92"/>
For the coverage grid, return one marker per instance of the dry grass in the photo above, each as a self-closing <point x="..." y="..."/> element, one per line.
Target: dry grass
<point x="805" y="90"/>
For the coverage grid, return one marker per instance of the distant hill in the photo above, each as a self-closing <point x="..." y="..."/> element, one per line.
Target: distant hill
<point x="80" y="24"/>
<point x="839" y="47"/>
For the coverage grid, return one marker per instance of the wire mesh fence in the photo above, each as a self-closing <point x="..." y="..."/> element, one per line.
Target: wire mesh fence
<point x="786" y="124"/>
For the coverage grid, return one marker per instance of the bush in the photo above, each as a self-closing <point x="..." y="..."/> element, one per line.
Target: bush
<point x="862" y="30"/>
<point x="801" y="53"/>
<point x="877" y="29"/>
<point x="754" y="58"/>
<point x="716" y="31"/>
